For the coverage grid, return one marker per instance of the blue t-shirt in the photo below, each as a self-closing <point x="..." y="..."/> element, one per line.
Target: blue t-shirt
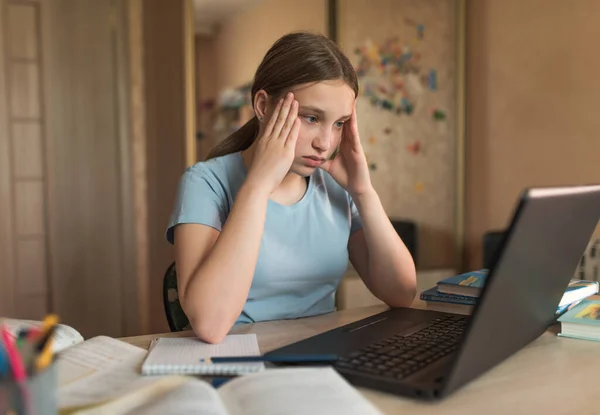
<point x="304" y="248"/>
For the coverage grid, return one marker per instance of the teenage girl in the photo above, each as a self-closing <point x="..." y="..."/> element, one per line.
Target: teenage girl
<point x="263" y="229"/>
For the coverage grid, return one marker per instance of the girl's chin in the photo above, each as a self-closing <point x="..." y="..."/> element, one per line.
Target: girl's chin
<point x="302" y="170"/>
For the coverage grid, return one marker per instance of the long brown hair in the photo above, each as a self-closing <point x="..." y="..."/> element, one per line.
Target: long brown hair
<point x="294" y="59"/>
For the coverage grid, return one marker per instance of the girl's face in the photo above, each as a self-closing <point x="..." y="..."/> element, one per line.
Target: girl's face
<point x="323" y="109"/>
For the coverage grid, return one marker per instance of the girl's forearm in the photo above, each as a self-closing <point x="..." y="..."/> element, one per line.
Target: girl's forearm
<point x="391" y="269"/>
<point x="217" y="291"/>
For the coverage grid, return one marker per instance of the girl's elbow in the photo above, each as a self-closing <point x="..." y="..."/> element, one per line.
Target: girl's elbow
<point x="209" y="330"/>
<point x="404" y="299"/>
<point x="207" y="325"/>
<point x="405" y="296"/>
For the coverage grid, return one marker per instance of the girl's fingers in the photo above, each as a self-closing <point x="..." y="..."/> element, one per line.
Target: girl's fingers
<point x="273" y="119"/>
<point x="283" y="113"/>
<point x="292" y="137"/>
<point x="350" y="135"/>
<point x="354" y="123"/>
<point x="289" y="122"/>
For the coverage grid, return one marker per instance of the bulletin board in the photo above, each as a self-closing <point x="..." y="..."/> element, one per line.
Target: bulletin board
<point x="409" y="112"/>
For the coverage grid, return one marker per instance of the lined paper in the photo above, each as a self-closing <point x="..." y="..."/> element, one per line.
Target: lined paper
<point x="183" y="355"/>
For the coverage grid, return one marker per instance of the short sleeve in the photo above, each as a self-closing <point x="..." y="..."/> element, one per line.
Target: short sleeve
<point x="355" y="220"/>
<point x="199" y="200"/>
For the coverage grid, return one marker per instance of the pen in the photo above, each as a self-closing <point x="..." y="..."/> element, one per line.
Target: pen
<point x="3" y="361"/>
<point x="17" y="366"/>
<point x="306" y="359"/>
<point x="50" y="321"/>
<point x="14" y="359"/>
<point x="21" y="338"/>
<point x="45" y="350"/>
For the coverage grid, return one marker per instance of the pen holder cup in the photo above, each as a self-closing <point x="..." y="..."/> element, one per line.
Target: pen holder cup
<point x="37" y="396"/>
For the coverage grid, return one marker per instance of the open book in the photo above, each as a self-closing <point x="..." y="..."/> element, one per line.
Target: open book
<point x="290" y="391"/>
<point x="64" y="336"/>
<point x="97" y="371"/>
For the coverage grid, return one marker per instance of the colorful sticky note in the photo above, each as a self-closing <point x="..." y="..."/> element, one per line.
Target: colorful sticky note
<point x="387" y="130"/>
<point x="372" y="140"/>
<point x="387" y="104"/>
<point x="419" y="187"/>
<point x="406" y="105"/>
<point x="432" y="79"/>
<point x="414" y="148"/>
<point x="372" y="166"/>
<point x="420" y="30"/>
<point x="438" y="115"/>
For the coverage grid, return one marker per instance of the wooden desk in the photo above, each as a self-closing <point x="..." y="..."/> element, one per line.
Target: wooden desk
<point x="552" y="375"/>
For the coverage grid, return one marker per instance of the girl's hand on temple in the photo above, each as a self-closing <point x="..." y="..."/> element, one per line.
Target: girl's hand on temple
<point x="349" y="168"/>
<point x="276" y="147"/>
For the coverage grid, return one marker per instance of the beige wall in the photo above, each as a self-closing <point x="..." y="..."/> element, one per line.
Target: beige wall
<point x="244" y="39"/>
<point x="206" y="89"/>
<point x="532" y="95"/>
<point x="417" y="187"/>
<point x="229" y="57"/>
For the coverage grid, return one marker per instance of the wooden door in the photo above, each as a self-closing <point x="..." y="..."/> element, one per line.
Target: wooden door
<point x="95" y="127"/>
<point x="88" y="197"/>
<point x="67" y="237"/>
<point x="24" y="278"/>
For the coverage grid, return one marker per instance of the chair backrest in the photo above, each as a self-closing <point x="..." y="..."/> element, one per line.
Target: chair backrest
<point x="176" y="317"/>
<point x="492" y="241"/>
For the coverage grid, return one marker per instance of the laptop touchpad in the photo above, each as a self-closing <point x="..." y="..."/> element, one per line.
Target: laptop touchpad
<point x="397" y="326"/>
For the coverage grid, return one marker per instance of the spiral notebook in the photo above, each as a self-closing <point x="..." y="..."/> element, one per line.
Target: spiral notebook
<point x="183" y="356"/>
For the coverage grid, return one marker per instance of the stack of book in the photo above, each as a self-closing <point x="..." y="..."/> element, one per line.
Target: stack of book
<point x="582" y="321"/>
<point x="458" y="294"/>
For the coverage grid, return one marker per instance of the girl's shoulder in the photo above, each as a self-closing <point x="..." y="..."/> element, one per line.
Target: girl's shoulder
<point x="221" y="169"/>
<point x="224" y="174"/>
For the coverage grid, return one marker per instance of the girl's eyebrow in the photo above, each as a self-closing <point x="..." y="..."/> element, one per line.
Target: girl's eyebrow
<point x="320" y="112"/>
<point x="316" y="110"/>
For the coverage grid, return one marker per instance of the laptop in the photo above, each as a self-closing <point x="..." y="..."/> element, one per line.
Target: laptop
<point x="428" y="354"/>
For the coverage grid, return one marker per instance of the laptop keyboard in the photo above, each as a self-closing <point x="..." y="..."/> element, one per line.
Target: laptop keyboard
<point x="399" y="356"/>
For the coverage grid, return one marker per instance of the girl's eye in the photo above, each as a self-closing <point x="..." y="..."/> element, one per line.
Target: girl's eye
<point x="311" y="118"/>
<point x="339" y="124"/>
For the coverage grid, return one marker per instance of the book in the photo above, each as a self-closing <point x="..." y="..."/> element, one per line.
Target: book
<point x="64" y="336"/>
<point x="471" y="283"/>
<point x="576" y="291"/>
<point x="187" y="356"/>
<point x="314" y="391"/>
<point x="433" y="294"/>
<point x="582" y="321"/>
<point x="448" y="303"/>
<point x="468" y="284"/>
<point x="96" y="371"/>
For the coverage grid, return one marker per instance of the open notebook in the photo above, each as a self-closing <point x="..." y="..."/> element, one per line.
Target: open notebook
<point x="182" y="356"/>
<point x="314" y="391"/>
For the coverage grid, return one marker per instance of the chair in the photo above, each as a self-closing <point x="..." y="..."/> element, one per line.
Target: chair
<point x="176" y="317"/>
<point x="492" y="240"/>
<point x="407" y="231"/>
